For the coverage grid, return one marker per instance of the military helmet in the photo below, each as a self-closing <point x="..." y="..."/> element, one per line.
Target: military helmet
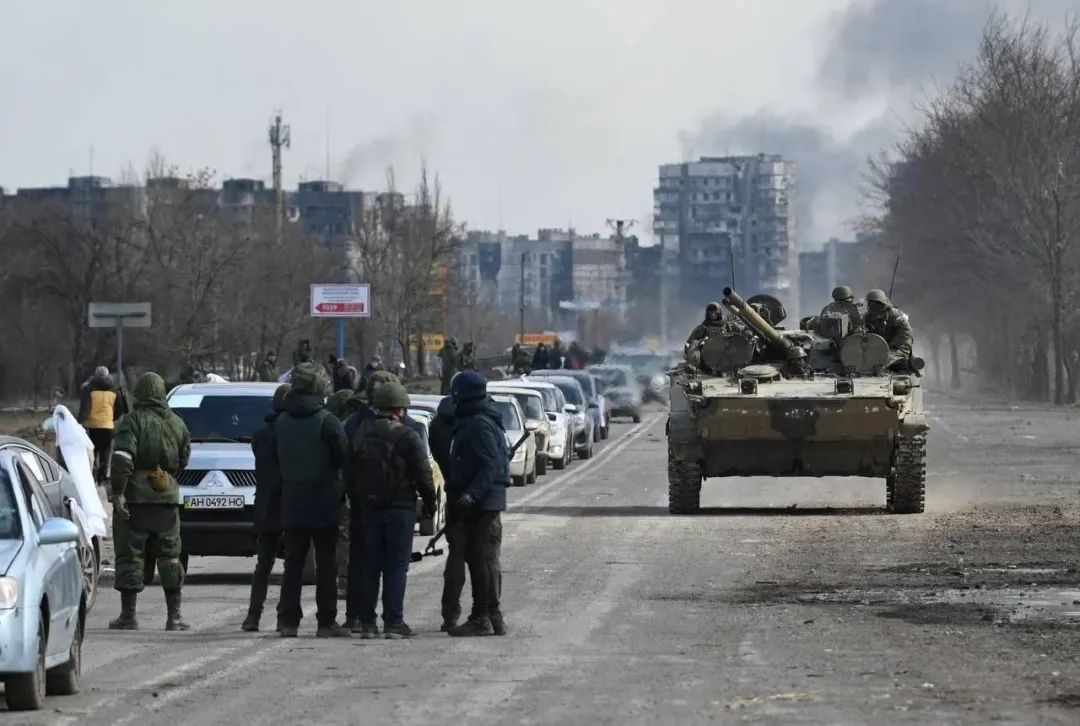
<point x="377" y="379"/>
<point x="713" y="307"/>
<point x="280" y="394"/>
<point x="877" y="296"/>
<point x="796" y="352"/>
<point x="391" y="395"/>
<point x="149" y="387"/>
<point x="843" y="293"/>
<point x="310" y="378"/>
<point x="468" y="386"/>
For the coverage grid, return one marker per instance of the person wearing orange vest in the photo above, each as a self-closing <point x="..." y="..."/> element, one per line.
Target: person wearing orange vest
<point x="101" y="406"/>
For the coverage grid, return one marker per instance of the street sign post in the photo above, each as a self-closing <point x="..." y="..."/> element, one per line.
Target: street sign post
<point x="119" y="316"/>
<point x="341" y="301"/>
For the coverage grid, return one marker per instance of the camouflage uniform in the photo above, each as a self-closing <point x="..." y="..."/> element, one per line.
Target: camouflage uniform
<point x="892" y="324"/>
<point x="467" y="359"/>
<point x="152" y="445"/>
<point x="267" y="372"/>
<point x="449" y="357"/>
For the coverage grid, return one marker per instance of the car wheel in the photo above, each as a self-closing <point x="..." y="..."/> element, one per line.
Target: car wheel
<point x="26" y="691"/>
<point x="604" y="432"/>
<point x="541" y="465"/>
<point x="90" y="562"/>
<point x="560" y="463"/>
<point x="637" y="418"/>
<point x="307" y="577"/>
<point x="63" y="680"/>
<point x="518" y="481"/>
<point x="586" y="453"/>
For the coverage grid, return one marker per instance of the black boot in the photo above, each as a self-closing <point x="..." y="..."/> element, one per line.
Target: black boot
<point x="251" y="622"/>
<point x="127" y="620"/>
<point x="175" y="620"/>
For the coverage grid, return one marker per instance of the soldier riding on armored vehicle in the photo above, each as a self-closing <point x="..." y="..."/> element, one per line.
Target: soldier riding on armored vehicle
<point x="834" y="398"/>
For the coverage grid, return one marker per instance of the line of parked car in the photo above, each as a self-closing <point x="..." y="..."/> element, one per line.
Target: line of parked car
<point x="49" y="570"/>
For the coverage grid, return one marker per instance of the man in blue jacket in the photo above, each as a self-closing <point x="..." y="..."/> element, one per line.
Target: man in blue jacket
<point x="479" y="477"/>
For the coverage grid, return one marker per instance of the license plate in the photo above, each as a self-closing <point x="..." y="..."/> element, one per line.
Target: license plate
<point x="210" y="501"/>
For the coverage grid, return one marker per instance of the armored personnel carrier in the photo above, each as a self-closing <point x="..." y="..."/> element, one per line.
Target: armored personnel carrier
<point x="752" y="400"/>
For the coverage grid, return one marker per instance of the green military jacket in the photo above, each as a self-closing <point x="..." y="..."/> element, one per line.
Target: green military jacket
<point x="151" y="436"/>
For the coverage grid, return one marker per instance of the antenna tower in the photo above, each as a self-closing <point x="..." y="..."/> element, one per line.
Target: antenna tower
<point x="280" y="137"/>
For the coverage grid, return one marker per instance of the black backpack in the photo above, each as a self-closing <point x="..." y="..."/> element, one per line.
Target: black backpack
<point x="380" y="473"/>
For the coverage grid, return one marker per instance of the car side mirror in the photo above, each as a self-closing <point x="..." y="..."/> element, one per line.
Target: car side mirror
<point x="571" y="408"/>
<point x="532" y="425"/>
<point x="553" y="417"/>
<point x="58" y="530"/>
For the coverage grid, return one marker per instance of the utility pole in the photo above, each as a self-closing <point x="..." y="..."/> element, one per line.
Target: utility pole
<point x="663" y="290"/>
<point x="522" y="326"/>
<point x="280" y="137"/>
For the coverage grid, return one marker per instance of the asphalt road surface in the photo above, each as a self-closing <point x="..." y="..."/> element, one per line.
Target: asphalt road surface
<point x="786" y="601"/>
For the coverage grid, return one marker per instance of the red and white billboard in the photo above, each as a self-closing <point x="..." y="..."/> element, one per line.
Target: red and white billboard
<point x="341" y="301"/>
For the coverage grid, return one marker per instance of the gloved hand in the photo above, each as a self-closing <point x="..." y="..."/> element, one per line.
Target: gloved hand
<point x="120" y="507"/>
<point x="466" y="501"/>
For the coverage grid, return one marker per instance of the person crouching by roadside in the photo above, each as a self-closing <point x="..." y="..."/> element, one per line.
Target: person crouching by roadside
<point x="267" y="510"/>
<point x="311" y="453"/>
<point x="389" y="469"/>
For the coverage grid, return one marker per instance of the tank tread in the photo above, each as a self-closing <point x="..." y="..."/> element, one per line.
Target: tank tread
<point x="906" y="489"/>
<point x="684" y="485"/>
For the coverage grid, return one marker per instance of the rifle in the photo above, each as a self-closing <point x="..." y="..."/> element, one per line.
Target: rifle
<point x="431" y="550"/>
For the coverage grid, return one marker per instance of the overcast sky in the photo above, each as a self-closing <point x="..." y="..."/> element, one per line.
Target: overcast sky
<point x="534" y="114"/>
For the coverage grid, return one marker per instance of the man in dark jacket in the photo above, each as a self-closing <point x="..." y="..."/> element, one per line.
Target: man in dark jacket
<point x="441" y="434"/>
<point x="389" y="469"/>
<point x="311" y="452"/>
<point x="344" y="375"/>
<point x="267" y="370"/>
<point x="267" y="509"/>
<point x="479" y="476"/>
<point x="540" y="358"/>
<point x="101" y="406"/>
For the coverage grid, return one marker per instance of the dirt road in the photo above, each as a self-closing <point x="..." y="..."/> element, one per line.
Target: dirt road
<point x="785" y="602"/>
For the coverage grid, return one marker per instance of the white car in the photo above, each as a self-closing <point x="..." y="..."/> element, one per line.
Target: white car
<point x="217" y="490"/>
<point x="560" y="445"/>
<point x="42" y="597"/>
<point x="523" y="460"/>
<point x="536" y="420"/>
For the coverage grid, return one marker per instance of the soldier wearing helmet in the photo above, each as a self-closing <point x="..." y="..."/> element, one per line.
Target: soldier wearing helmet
<point x="712" y="323"/>
<point x="388" y="470"/>
<point x="892" y="324"/>
<point x="843" y="293"/>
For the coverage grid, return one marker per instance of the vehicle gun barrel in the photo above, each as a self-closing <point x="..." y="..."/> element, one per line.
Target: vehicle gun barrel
<point x="734" y="303"/>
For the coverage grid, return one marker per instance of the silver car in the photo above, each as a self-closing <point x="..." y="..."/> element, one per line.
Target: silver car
<point x="42" y="597"/>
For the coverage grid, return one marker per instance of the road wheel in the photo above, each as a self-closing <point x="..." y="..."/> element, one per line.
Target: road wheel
<point x="604" y="432"/>
<point x="518" y="481"/>
<point x="560" y="463"/>
<point x="637" y="418"/>
<point x="90" y="563"/>
<point x="541" y="465"/>
<point x="26" y="691"/>
<point x="63" y="680"/>
<point x="684" y="485"/>
<point x="307" y="577"/>
<point x="586" y="453"/>
<point x="909" y="476"/>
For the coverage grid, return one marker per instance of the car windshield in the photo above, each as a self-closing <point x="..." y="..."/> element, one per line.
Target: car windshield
<point x="222" y="418"/>
<point x="530" y="405"/>
<point x="551" y="403"/>
<point x="9" y="510"/>
<point x="509" y="415"/>
<point x="571" y="390"/>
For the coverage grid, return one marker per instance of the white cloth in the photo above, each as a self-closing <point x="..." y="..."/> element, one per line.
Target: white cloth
<point x="215" y="378"/>
<point x="79" y="517"/>
<point x="78" y="453"/>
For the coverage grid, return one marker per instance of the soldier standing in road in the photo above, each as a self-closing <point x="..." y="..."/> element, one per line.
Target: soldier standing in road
<point x="450" y="358"/>
<point x="152" y="445"/>
<point x="389" y="469"/>
<point x="519" y="359"/>
<point x="267" y="510"/>
<point x="555" y="358"/>
<point x="311" y="452"/>
<point x="476" y="491"/>
<point x="267" y="372"/>
<point x="540" y="358"/>
<point x="892" y="324"/>
<point x="467" y="360"/>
